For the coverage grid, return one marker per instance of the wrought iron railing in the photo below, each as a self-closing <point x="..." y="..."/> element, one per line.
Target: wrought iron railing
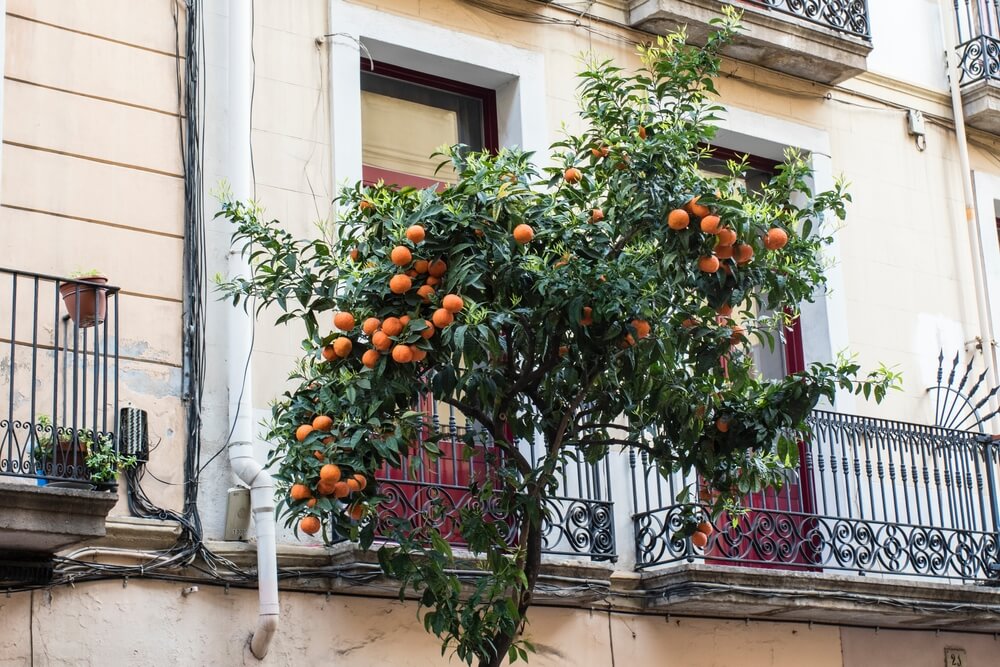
<point x="871" y="496"/>
<point x="978" y="47"/>
<point x="850" y="16"/>
<point x="58" y="375"/>
<point x="578" y="521"/>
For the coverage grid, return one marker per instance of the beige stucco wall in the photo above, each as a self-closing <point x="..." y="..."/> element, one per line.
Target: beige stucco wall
<point x="151" y="623"/>
<point x="92" y="179"/>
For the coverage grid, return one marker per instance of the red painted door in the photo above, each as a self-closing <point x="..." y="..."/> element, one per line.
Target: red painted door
<point x="779" y="530"/>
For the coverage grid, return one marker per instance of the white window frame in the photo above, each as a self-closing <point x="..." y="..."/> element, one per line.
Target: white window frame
<point x="516" y="74"/>
<point x="824" y="322"/>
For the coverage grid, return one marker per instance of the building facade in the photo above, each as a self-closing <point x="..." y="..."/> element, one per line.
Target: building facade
<point x="122" y="122"/>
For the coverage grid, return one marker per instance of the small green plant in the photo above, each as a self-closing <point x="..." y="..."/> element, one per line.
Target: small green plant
<point x="81" y="274"/>
<point x="103" y="460"/>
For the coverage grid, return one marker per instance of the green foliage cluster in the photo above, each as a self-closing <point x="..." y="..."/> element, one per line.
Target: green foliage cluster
<point x="551" y="342"/>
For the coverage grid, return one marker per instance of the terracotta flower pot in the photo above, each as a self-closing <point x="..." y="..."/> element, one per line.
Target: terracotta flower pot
<point x="86" y="305"/>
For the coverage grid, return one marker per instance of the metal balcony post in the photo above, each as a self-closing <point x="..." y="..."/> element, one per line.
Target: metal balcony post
<point x="989" y="451"/>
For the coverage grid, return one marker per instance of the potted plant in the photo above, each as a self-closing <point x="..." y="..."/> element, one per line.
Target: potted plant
<point x="87" y="304"/>
<point x="95" y="463"/>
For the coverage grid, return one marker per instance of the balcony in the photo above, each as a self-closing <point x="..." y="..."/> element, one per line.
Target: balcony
<point x="579" y="522"/>
<point x="978" y="49"/>
<point x="59" y="392"/>
<point x="871" y="496"/>
<point x="826" y="41"/>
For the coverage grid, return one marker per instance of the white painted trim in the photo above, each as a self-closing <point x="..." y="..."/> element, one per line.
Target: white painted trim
<point x="825" y="329"/>
<point x="987" y="197"/>
<point x="516" y="74"/>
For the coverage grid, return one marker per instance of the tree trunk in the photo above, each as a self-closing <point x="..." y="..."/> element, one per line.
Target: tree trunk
<point x="532" y="565"/>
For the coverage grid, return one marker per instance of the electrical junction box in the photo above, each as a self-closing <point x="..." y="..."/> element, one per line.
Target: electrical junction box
<point x="915" y="123"/>
<point x="237" y="514"/>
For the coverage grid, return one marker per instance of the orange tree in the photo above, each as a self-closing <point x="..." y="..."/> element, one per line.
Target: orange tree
<point x="589" y="306"/>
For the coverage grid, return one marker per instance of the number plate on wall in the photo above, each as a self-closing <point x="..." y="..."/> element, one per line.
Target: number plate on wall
<point x="955" y="657"/>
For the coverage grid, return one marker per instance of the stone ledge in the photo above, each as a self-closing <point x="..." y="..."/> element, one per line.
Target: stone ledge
<point x="739" y="592"/>
<point x="126" y="532"/>
<point x="775" y="40"/>
<point x="45" y="519"/>
<point x="981" y="105"/>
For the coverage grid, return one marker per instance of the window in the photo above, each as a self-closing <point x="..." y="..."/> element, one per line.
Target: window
<point x="406" y="116"/>
<point x="787" y="356"/>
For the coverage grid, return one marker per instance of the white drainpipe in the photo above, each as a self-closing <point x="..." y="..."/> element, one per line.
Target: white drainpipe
<point x="239" y="333"/>
<point x="949" y="33"/>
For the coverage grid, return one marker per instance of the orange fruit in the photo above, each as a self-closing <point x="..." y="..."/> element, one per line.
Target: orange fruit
<point x="709" y="264"/>
<point x="366" y="205"/>
<point x="699" y="540"/>
<point x="381" y="341"/>
<point x="341" y="490"/>
<point x="724" y="251"/>
<point x="588" y="316"/>
<point x="400" y="284"/>
<point x="596" y="215"/>
<point x="689" y="323"/>
<point x="696" y="209"/>
<point x="642" y="132"/>
<point x="310" y="525"/>
<point x="392" y="326"/>
<point x="300" y="492"/>
<point x="563" y="350"/>
<point x="722" y="423"/>
<point x="404" y="319"/>
<point x="402" y="354"/>
<point x="418" y="354"/>
<point x="737" y="337"/>
<point x="628" y="341"/>
<point x="322" y="423"/>
<point x="356" y="512"/>
<point x="370" y="358"/>
<point x="318" y="455"/>
<point x="370" y="325"/>
<point x="330" y="473"/>
<point x="415" y="233"/>
<point x="678" y="219"/>
<point x="343" y="321"/>
<point x="412" y="273"/>
<point x="600" y="151"/>
<point x="711" y="224"/>
<point x="727" y="237"/>
<point x="342" y="346"/>
<point x="325" y="488"/>
<point x="328" y="353"/>
<point x="311" y="502"/>
<point x="420" y="266"/>
<point x="572" y="175"/>
<point x="706" y="527"/>
<point x="353" y="485"/>
<point x="641" y="327"/>
<point x="776" y="238"/>
<point x="523" y="233"/>
<point x="433" y="281"/>
<point x="428" y="333"/>
<point x="743" y="253"/>
<point x="452" y="303"/>
<point x="442" y="318"/>
<point x="401" y="255"/>
<point x="355" y="254"/>
<point x="302" y="432"/>
<point x="724" y="310"/>
<point x="425" y="292"/>
<point x="437" y="269"/>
